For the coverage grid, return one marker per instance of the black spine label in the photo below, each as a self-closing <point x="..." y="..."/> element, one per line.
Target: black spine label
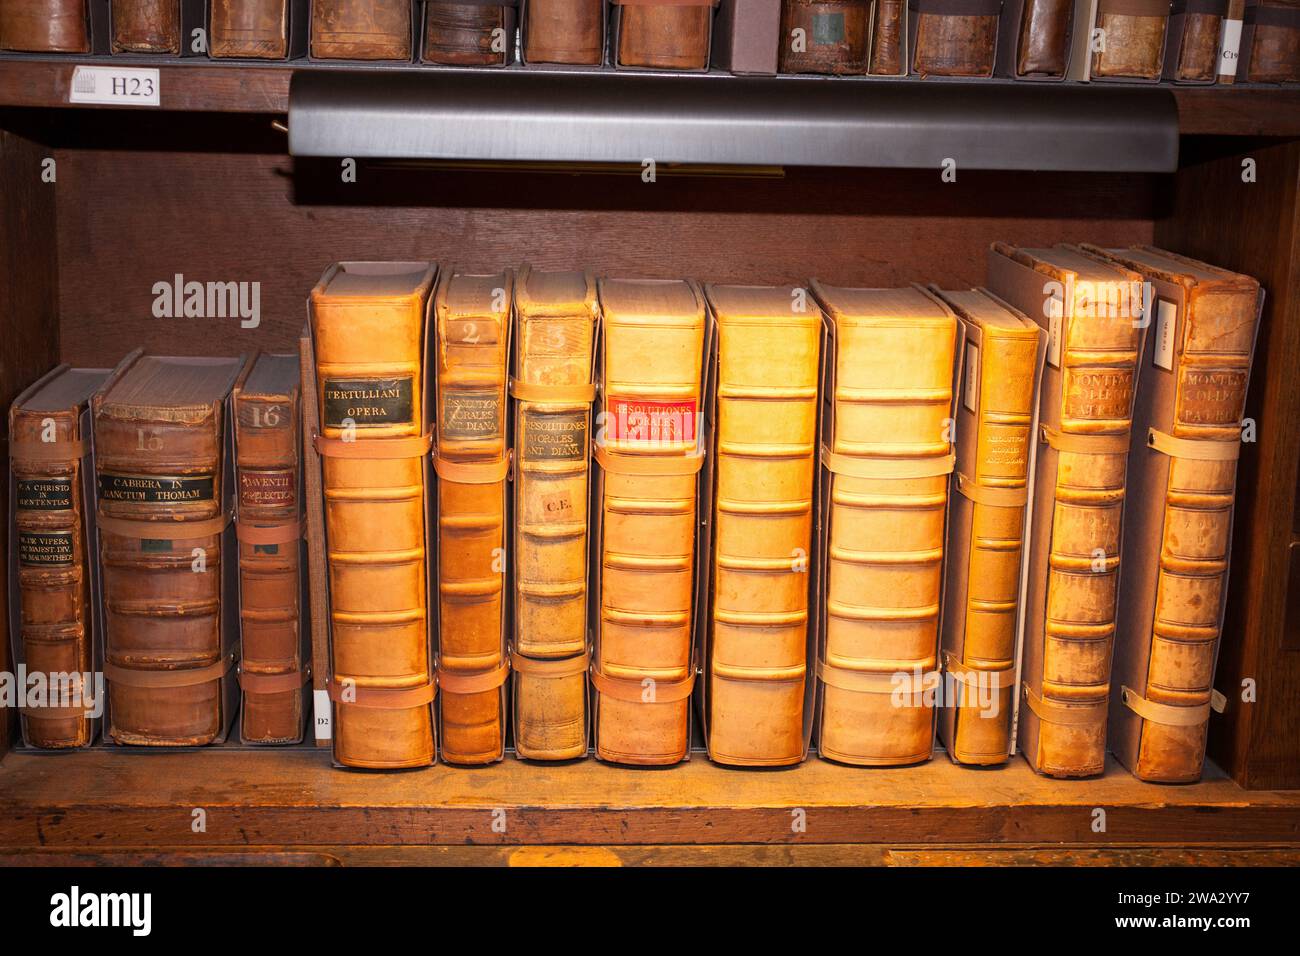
<point x="368" y="402"/>
<point x="554" y="436"/>
<point x="45" y="548"/>
<point x="473" y="413"/>
<point x="156" y="489"/>
<point x="44" y="494"/>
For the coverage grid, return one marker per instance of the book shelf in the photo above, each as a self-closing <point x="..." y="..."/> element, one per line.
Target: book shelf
<point x="206" y="188"/>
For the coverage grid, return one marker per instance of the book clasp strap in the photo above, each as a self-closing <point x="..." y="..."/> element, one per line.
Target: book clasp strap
<point x="620" y="464"/>
<point x="187" y="677"/>
<point x="1065" y="715"/>
<point x="453" y="682"/>
<point x="552" y="394"/>
<point x="381" y="698"/>
<point x="1166" y="714"/>
<point x="992" y="495"/>
<point x="550" y="668"/>
<point x="255" y="683"/>
<point x="282" y="533"/>
<point x="633" y="691"/>
<point x="163" y="530"/>
<point x="413" y="446"/>
<point x="1084" y="444"/>
<point x="854" y="467"/>
<point x="1197" y="449"/>
<point x="473" y="472"/>
<point x="51" y="451"/>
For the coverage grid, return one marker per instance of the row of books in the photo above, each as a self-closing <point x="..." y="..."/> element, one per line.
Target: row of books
<point x="1201" y="41"/>
<point x="567" y="508"/>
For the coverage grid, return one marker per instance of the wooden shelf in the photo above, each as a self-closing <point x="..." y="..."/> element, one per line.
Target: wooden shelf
<point x="200" y="85"/>
<point x="104" y="804"/>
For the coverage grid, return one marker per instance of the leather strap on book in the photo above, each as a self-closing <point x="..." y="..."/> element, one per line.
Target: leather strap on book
<point x="1166" y="714"/>
<point x="959" y="8"/>
<point x="1134" y="8"/>
<point x="558" y="394"/>
<point x="876" y="682"/>
<point x="187" y="677"/>
<point x="1273" y="16"/>
<point x="268" y="534"/>
<point x="1084" y="444"/>
<point x="47" y="450"/>
<point x="617" y="464"/>
<point x="634" y="691"/>
<point x="163" y="530"/>
<point x="57" y="713"/>
<point x="254" y="683"/>
<point x="381" y="698"/>
<point x="473" y="472"/>
<point x="854" y="467"/>
<point x="990" y="494"/>
<point x="410" y="447"/>
<point x="1218" y="702"/>
<point x="1199" y="449"/>
<point x="1062" y="714"/>
<point x="550" y="668"/>
<point x="454" y="683"/>
<point x="992" y="679"/>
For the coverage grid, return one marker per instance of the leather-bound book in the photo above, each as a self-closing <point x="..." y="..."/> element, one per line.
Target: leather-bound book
<point x="1177" y="532"/>
<point x="664" y="34"/>
<point x="269" y="529"/>
<point x="889" y="454"/>
<point x="468" y="34"/>
<point x="146" y="26"/>
<point x="831" y="37"/>
<point x="555" y="323"/>
<point x="361" y="29"/>
<point x="765" y="460"/>
<point x="249" y="28"/>
<point x="1275" y="47"/>
<point x="45" y="26"/>
<point x="473" y="342"/>
<point x="565" y="31"/>
<point x="650" y="461"/>
<point x="1201" y="24"/>
<point x="1043" y="47"/>
<point x="1092" y="314"/>
<point x="368" y="326"/>
<point x="888" y="40"/>
<point x="1135" y="38"/>
<point x="160" y="459"/>
<point x="47" y="451"/>
<point x="952" y="43"/>
<point x="986" y="527"/>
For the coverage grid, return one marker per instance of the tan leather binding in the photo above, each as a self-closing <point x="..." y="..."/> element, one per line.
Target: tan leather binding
<point x="361" y="29"/>
<point x="269" y="531"/>
<point x="1200" y="24"/>
<point x="765" y="459"/>
<point x="146" y="26"/>
<point x="833" y="37"/>
<point x="1043" y="45"/>
<point x="249" y="28"/>
<point x="565" y="31"/>
<point x="1135" y="38"/>
<point x="995" y="410"/>
<point x="160" y="460"/>
<point x="1275" y="42"/>
<point x="890" y="405"/>
<point x="45" y="26"/>
<point x="887" y="38"/>
<point x="368" y="324"/>
<point x="955" y="38"/>
<point x="472" y="313"/>
<point x="468" y="34"/>
<point x="664" y="34"/>
<point x="555" y="322"/>
<point x="651" y="387"/>
<point x="46" y="448"/>
<point x="1091" y="311"/>
<point x="1189" y="418"/>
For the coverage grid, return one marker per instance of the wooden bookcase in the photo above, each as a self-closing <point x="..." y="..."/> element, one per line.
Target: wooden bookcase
<point x="204" y="188"/>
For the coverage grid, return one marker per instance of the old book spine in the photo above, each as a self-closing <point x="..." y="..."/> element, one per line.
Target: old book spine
<point x="267" y="475"/>
<point x="553" y="448"/>
<point x="53" y="578"/>
<point x="1198" y="55"/>
<point x="766" y="459"/>
<point x="146" y="26"/>
<point x="369" y="370"/>
<point x="162" y="594"/>
<point x="955" y="45"/>
<point x="651" y="388"/>
<point x="361" y="29"/>
<point x="1134" y="46"/>
<point x="887" y="40"/>
<point x="893" y="395"/>
<point x="1212" y="375"/>
<point x="465" y="34"/>
<point x="565" y="31"/>
<point x="45" y="26"/>
<point x="1007" y="365"/>
<point x="249" y="28"/>
<point x="472" y="347"/>
<point x="665" y="37"/>
<point x="1044" y="33"/>
<point x="824" y="36"/>
<point x="1275" y="50"/>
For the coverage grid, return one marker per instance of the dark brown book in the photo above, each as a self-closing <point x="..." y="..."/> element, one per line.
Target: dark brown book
<point x="361" y="29"/>
<point x="1044" y="44"/>
<point x="565" y="31"/>
<point x="249" y="28"/>
<point x="824" y="36"/>
<point x="53" y="541"/>
<point x="887" y="38"/>
<point x="664" y="34"/>
<point x="268" y="474"/>
<point x="159" y="463"/>
<point x="468" y="34"/>
<point x="146" y="26"/>
<point x="45" y="26"/>
<point x="1135" y="39"/>
<point x="956" y="38"/>
<point x="1275" y="49"/>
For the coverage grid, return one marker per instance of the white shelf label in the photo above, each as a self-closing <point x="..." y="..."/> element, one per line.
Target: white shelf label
<point x="1229" y="45"/>
<point x="1166" y="325"/>
<point x="115" y="86"/>
<point x="972" y="397"/>
<point x="323" y="718"/>
<point x="1056" y="321"/>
